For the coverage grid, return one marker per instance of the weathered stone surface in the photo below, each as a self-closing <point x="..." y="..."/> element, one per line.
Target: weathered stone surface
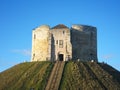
<point x="84" y="42"/>
<point x="40" y="43"/>
<point x="62" y="43"/>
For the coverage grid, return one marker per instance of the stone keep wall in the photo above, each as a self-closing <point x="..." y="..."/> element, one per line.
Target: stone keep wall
<point x="64" y="35"/>
<point x="79" y="42"/>
<point x="84" y="42"/>
<point x="40" y="43"/>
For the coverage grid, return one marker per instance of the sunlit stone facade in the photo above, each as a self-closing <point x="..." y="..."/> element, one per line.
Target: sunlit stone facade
<point x="62" y="43"/>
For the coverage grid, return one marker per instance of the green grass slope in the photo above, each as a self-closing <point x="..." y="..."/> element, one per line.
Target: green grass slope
<point x="76" y="76"/>
<point x="26" y="76"/>
<point x="89" y="76"/>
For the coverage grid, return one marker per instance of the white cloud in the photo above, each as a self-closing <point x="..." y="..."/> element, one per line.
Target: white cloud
<point x="25" y="52"/>
<point x="107" y="56"/>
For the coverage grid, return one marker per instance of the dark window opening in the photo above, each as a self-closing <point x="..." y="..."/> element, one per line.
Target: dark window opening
<point x="61" y="57"/>
<point x="91" y="56"/>
<point x="34" y="36"/>
<point x="63" y="32"/>
<point x="33" y="56"/>
<point x="61" y="43"/>
<point x="56" y="41"/>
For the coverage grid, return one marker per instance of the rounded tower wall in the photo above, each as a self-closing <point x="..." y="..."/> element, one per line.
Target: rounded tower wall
<point x="40" y="43"/>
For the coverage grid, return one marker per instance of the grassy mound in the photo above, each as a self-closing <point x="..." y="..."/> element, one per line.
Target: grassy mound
<point x="89" y="76"/>
<point x="76" y="76"/>
<point x="26" y="76"/>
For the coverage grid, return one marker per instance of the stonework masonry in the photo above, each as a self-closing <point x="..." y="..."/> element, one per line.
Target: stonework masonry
<point x="62" y="43"/>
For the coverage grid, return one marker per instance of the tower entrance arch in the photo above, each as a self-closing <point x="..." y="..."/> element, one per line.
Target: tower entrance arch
<point x="61" y="57"/>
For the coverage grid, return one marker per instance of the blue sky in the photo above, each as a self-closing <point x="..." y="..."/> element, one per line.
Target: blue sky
<point x="19" y="17"/>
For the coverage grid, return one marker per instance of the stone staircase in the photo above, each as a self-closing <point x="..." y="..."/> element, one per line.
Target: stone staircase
<point x="55" y="77"/>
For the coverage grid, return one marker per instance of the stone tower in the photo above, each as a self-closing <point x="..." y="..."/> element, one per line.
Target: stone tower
<point x="61" y="43"/>
<point x="40" y="43"/>
<point x="84" y="42"/>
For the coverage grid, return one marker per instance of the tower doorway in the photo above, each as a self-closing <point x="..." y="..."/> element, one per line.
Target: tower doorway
<point x="61" y="57"/>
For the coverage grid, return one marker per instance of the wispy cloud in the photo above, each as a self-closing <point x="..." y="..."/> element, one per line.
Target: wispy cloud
<point x="107" y="56"/>
<point x="25" y="52"/>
